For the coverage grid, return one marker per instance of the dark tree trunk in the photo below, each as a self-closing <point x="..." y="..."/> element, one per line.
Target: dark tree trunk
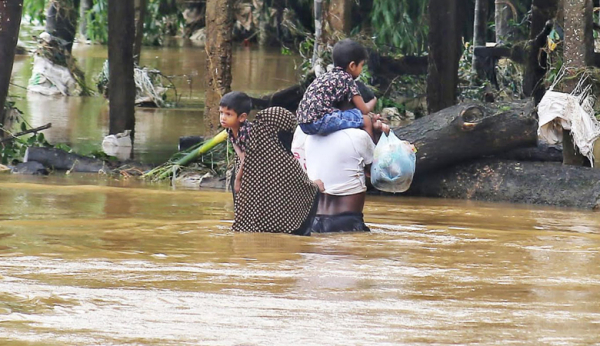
<point x="578" y="54"/>
<point x="219" y="24"/>
<point x="121" y="32"/>
<point x="288" y="98"/>
<point x="61" y="20"/>
<point x="542" y="12"/>
<point x="61" y="160"/>
<point x="340" y="15"/>
<point x="85" y="6"/>
<point x="139" y="29"/>
<point x="10" y="21"/>
<point x="469" y="131"/>
<point x="479" y="33"/>
<point x="56" y="159"/>
<point x="544" y="152"/>
<point x="445" y="27"/>
<point x="542" y="183"/>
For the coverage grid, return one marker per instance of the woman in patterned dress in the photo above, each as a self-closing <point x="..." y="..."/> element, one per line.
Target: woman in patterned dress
<point x="275" y="195"/>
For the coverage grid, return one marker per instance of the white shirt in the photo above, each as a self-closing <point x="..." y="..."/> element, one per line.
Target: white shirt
<point x="338" y="159"/>
<point x="298" y="147"/>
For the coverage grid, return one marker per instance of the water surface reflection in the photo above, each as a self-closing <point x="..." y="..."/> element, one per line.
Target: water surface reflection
<point x="82" y="122"/>
<point x="120" y="262"/>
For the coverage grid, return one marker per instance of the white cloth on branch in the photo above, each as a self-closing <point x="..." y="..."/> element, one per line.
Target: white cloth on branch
<point x="574" y="112"/>
<point x="50" y="79"/>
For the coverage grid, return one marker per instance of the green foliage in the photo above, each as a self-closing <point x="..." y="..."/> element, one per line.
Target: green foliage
<point x="385" y="102"/>
<point x="35" y="10"/>
<point x="157" y="24"/>
<point x="306" y="52"/>
<point x="12" y="151"/>
<point x="401" y="25"/>
<point x="97" y="22"/>
<point x="508" y="75"/>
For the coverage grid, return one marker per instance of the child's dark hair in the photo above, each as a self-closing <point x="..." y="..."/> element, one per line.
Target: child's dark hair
<point x="238" y="101"/>
<point x="347" y="51"/>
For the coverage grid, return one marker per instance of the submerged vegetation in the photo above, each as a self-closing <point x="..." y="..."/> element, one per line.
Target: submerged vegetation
<point x="211" y="156"/>
<point x="14" y="145"/>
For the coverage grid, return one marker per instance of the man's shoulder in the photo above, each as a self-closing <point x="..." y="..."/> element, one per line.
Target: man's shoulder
<point x="341" y="137"/>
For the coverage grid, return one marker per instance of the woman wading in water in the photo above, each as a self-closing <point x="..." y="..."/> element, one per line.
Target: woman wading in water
<point x="275" y="194"/>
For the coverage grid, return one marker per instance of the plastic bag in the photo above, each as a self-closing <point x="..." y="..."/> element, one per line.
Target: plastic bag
<point x="393" y="165"/>
<point x="50" y="79"/>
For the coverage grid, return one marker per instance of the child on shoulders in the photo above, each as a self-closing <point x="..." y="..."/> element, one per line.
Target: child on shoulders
<point x="317" y="112"/>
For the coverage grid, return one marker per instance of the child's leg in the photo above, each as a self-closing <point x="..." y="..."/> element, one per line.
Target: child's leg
<point x="339" y="120"/>
<point x="368" y="125"/>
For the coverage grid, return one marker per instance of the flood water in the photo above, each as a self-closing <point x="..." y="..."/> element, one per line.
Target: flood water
<point x="82" y="122"/>
<point x="112" y="262"/>
<point x="91" y="260"/>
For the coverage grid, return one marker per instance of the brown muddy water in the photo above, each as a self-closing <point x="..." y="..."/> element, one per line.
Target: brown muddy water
<point x="82" y="122"/>
<point x="88" y="260"/>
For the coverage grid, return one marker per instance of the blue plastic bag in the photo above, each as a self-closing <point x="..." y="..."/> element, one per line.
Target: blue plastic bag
<point x="393" y="165"/>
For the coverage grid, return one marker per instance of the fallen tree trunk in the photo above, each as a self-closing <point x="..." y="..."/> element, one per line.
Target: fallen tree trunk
<point x="288" y="98"/>
<point x="469" y="131"/>
<point x="384" y="70"/>
<point x="514" y="182"/>
<point x="63" y="161"/>
<point x="542" y="153"/>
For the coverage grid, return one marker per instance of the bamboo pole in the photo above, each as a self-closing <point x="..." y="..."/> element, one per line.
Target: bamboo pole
<point x="166" y="170"/>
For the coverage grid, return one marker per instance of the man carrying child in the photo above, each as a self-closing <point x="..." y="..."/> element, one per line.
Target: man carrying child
<point x="319" y="112"/>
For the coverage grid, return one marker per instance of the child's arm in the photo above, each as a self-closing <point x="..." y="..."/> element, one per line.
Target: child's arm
<point x="365" y="108"/>
<point x="238" y="177"/>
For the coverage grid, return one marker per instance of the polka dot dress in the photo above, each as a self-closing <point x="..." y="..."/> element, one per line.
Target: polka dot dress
<point x="276" y="194"/>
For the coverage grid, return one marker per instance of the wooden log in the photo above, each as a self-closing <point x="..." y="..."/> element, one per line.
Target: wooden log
<point x="187" y="142"/>
<point x="469" y="131"/>
<point x="63" y="161"/>
<point x="288" y="98"/>
<point x="544" y="183"/>
<point x="542" y="153"/>
<point x="384" y="69"/>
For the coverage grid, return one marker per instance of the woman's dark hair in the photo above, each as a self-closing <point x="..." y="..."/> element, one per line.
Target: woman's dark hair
<point x="347" y="51"/>
<point x="238" y="101"/>
<point x="366" y="92"/>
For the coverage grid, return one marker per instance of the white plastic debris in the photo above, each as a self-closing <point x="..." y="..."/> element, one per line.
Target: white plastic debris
<point x="574" y="112"/>
<point x="50" y="79"/>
